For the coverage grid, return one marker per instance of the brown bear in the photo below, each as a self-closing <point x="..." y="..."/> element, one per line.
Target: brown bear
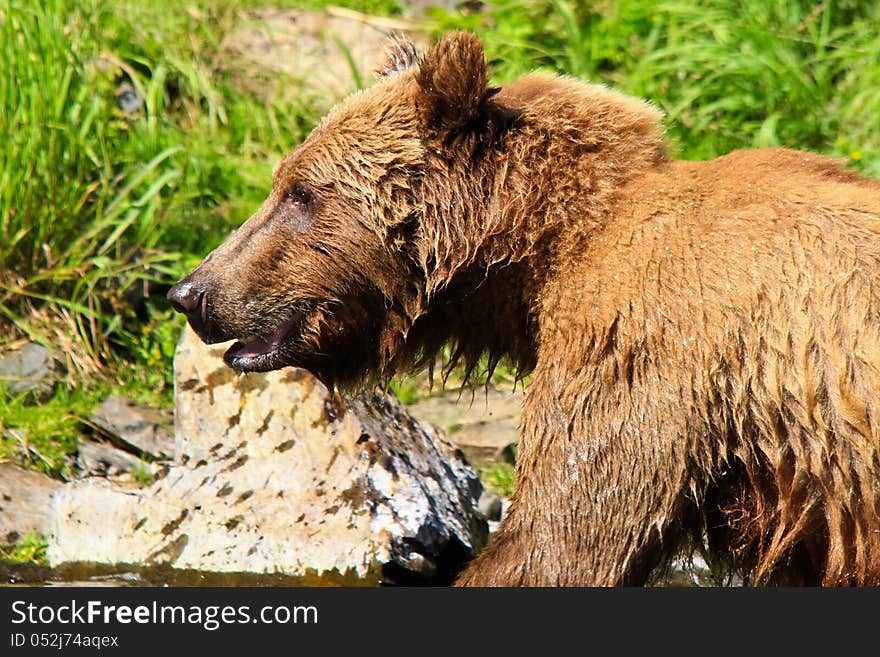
<point x="703" y="338"/>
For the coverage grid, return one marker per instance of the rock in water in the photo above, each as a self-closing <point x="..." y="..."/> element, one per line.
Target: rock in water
<point x="276" y="474"/>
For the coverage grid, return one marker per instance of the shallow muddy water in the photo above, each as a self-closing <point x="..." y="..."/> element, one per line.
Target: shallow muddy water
<point x="87" y="574"/>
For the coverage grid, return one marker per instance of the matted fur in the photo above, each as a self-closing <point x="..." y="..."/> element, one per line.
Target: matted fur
<point x="400" y="54"/>
<point x="703" y="337"/>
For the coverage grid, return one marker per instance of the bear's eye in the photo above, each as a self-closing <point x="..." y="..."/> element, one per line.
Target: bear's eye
<point x="298" y="207"/>
<point x="299" y="193"/>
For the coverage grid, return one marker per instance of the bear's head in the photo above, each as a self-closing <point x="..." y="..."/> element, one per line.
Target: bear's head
<point x="366" y="221"/>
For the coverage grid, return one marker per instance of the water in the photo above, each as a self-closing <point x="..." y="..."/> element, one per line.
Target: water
<point x="90" y="574"/>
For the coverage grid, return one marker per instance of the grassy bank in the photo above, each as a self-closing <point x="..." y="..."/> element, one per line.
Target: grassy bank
<point x="727" y="73"/>
<point x="131" y="153"/>
<point x="132" y="148"/>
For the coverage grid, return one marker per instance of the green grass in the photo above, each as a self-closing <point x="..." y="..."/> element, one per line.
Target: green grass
<point x="498" y="478"/>
<point x="728" y="73"/>
<point x="41" y="434"/>
<point x="99" y="207"/>
<point x="30" y="549"/>
<point x="96" y="203"/>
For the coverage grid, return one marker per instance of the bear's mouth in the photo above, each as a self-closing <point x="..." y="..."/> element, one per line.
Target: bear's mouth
<point x="257" y="354"/>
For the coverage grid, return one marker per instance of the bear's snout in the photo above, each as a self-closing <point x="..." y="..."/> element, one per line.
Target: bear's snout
<point x="186" y="297"/>
<point x="190" y="298"/>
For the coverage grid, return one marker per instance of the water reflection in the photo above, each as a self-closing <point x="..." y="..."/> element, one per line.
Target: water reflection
<point x="90" y="574"/>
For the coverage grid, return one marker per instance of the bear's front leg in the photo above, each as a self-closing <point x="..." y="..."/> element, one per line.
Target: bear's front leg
<point x="602" y="482"/>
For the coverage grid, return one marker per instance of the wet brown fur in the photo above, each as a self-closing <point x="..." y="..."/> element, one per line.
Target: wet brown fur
<point x="703" y="337"/>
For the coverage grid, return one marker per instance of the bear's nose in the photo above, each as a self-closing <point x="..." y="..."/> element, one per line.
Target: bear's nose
<point x="187" y="298"/>
<point x="191" y="299"/>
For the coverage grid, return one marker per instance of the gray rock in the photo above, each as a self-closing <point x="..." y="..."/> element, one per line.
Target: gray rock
<point x="499" y="511"/>
<point x="104" y="460"/>
<point x="135" y="428"/>
<point x="275" y="52"/>
<point x="482" y="422"/>
<point x="30" y="367"/>
<point x="277" y="475"/>
<point x="490" y="506"/>
<point x="25" y="502"/>
<point x="129" y="98"/>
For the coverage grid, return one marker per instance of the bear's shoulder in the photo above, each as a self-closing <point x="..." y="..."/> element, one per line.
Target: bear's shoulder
<point x="552" y="97"/>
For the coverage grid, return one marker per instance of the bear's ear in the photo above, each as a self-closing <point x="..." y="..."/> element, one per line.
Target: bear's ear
<point x="452" y="78"/>
<point x="400" y="55"/>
